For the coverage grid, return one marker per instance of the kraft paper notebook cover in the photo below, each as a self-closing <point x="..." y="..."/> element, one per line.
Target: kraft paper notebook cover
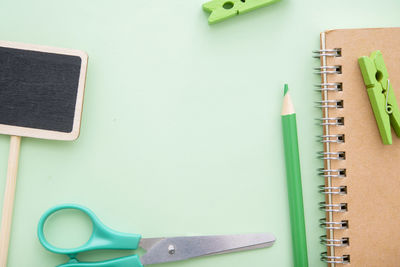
<point x="362" y="175"/>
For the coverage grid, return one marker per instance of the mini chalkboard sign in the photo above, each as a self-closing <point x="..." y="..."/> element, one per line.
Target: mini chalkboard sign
<point x="41" y="96"/>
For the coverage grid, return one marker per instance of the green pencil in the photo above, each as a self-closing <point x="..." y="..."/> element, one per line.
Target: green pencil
<point x="294" y="182"/>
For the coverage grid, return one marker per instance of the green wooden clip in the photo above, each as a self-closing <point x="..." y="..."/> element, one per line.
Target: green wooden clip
<point x="223" y="9"/>
<point x="381" y="95"/>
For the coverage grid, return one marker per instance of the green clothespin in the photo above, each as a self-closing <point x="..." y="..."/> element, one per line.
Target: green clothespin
<point x="223" y="9"/>
<point x="381" y="95"/>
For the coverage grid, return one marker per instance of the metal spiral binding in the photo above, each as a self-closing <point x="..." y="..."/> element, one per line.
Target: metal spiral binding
<point x="328" y="70"/>
<point x="343" y="242"/>
<point x="329" y="104"/>
<point x="329" y="174"/>
<point x="332" y="138"/>
<point x="345" y="259"/>
<point x="339" y="173"/>
<point x="341" y="155"/>
<point x="333" y="190"/>
<point x="328" y="87"/>
<point x="342" y="207"/>
<point x="331" y="121"/>
<point x="337" y="52"/>
<point x="333" y="225"/>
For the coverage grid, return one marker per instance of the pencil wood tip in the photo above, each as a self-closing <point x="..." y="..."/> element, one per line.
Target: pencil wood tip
<point x="287" y="107"/>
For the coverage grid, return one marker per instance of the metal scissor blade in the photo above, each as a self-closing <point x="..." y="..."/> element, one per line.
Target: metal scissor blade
<point x="183" y="248"/>
<point x="148" y="243"/>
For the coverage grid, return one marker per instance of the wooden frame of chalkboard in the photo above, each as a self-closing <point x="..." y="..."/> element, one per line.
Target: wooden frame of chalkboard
<point x="41" y="96"/>
<point x="28" y="130"/>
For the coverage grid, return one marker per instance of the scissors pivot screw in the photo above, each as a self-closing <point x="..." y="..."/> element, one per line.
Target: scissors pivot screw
<point x="171" y="249"/>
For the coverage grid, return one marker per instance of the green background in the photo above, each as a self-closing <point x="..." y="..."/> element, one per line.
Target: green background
<point x="181" y="130"/>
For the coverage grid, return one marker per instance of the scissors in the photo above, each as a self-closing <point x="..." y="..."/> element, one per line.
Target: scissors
<point x="158" y="250"/>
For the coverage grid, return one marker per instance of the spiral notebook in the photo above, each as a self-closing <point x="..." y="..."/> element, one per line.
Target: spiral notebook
<point x="362" y="176"/>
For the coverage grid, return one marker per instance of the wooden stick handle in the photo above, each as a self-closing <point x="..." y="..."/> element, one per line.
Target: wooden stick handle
<point x="9" y="195"/>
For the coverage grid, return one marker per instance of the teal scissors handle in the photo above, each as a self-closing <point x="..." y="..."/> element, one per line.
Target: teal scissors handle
<point x="129" y="261"/>
<point x="102" y="237"/>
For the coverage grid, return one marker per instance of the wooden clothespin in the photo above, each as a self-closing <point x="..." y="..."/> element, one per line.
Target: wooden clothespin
<point x="381" y="95"/>
<point x="223" y="9"/>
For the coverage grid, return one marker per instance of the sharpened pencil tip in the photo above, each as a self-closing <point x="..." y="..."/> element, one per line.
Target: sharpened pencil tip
<point x="287" y="107"/>
<point x="285" y="89"/>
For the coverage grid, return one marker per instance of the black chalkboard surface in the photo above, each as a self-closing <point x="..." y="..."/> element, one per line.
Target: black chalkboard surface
<point x="41" y="89"/>
<point x="41" y="95"/>
<point x="38" y="90"/>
